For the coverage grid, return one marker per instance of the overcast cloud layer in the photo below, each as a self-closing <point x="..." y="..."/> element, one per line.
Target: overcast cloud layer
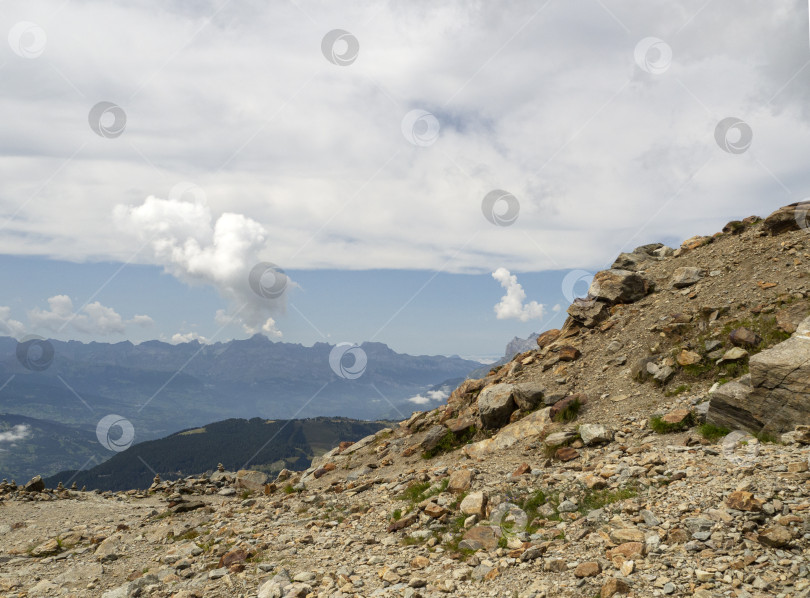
<point x="236" y="118"/>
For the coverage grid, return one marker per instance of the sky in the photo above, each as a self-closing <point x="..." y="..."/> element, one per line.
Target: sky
<point x="440" y="177"/>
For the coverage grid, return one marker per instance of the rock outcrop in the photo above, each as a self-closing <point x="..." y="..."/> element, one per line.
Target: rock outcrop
<point x="775" y="397"/>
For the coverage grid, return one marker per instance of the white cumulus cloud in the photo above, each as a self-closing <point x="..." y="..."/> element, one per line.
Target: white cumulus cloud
<point x="194" y="247"/>
<point x="512" y="304"/>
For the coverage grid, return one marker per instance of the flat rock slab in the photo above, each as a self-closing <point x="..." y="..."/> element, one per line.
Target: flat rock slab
<point x="533" y="425"/>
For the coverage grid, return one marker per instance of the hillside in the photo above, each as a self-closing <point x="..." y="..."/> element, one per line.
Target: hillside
<point x="162" y="388"/>
<point x="264" y="445"/>
<point x="36" y="446"/>
<point x="597" y="464"/>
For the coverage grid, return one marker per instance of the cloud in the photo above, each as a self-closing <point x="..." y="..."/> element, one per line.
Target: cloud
<point x="15" y="434"/>
<point x="141" y="320"/>
<point x="194" y="247"/>
<point x="188" y="337"/>
<point x="9" y="326"/>
<point x="512" y="304"/>
<point x="599" y="154"/>
<point x="94" y="319"/>
<point x="430" y="396"/>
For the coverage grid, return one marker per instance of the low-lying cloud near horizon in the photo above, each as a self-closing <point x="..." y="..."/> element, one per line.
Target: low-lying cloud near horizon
<point x="385" y="162"/>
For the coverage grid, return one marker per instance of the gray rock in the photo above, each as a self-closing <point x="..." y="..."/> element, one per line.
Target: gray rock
<point x="685" y="276"/>
<point x="649" y="518"/>
<point x="432" y="438"/>
<point x="251" y="480"/>
<point x="594" y="434"/>
<point x="528" y="395"/>
<point x="589" y="312"/>
<point x="495" y="405"/>
<point x="660" y="373"/>
<point x="619" y="286"/>
<point x="631" y="261"/>
<point x="778" y="398"/>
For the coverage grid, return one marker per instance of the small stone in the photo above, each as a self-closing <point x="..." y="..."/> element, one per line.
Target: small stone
<point x="733" y="354"/>
<point x="743" y="501"/>
<point x="678" y="416"/>
<point x="474" y="503"/>
<point x="588" y="569"/>
<point x="594" y="434"/>
<point x="460" y="481"/>
<point x="743" y="337"/>
<point x="566" y="453"/>
<point x="776" y="536"/>
<point x="569" y="353"/>
<point x="686" y="276"/>
<point x="523" y="469"/>
<point x="686" y="357"/>
<point x="614" y="586"/>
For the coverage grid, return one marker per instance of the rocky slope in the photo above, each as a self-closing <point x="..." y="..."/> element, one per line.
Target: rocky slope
<point x="581" y="468"/>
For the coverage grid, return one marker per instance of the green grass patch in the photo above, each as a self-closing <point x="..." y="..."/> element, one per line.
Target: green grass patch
<point x="659" y="426"/>
<point x="417" y="492"/>
<point x="569" y="412"/>
<point x="450" y="442"/>
<point x="767" y="437"/>
<point x="712" y="432"/>
<point x="596" y="499"/>
<point x="189" y="535"/>
<point x="396" y="515"/>
<point x="677" y="390"/>
<point x="288" y="489"/>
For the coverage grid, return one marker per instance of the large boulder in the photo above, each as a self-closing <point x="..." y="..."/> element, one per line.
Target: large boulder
<point x="534" y="425"/>
<point x="36" y="484"/>
<point x="630" y="261"/>
<point x="528" y="395"/>
<point x="618" y="286"/>
<point x="589" y="312"/>
<point x="251" y="480"/>
<point x="778" y="396"/>
<point x="787" y="218"/>
<point x="495" y="405"/>
<point x="548" y="337"/>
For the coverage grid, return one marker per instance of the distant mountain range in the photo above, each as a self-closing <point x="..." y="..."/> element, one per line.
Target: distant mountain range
<point x="265" y="445"/>
<point x="513" y="347"/>
<point x="66" y="388"/>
